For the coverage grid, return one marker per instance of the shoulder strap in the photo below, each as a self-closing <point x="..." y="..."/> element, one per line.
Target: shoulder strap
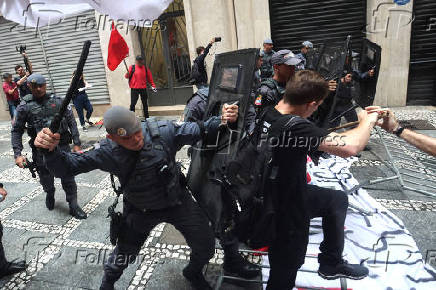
<point x="269" y="83"/>
<point x="119" y="190"/>
<point x="131" y="73"/>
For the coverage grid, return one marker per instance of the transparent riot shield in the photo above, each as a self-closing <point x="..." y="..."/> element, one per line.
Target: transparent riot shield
<point x="365" y="89"/>
<point x="230" y="83"/>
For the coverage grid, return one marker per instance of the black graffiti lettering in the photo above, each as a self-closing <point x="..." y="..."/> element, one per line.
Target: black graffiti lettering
<point x="423" y="280"/>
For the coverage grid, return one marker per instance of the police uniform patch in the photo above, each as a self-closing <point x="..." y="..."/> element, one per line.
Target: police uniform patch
<point x="258" y="101"/>
<point x="121" y="132"/>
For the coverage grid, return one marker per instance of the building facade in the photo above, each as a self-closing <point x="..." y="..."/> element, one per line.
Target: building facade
<point x="406" y="31"/>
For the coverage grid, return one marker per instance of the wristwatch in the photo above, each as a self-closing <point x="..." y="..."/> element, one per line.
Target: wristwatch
<point x="398" y="131"/>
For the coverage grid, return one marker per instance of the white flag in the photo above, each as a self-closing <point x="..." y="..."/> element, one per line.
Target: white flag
<point x="38" y="13"/>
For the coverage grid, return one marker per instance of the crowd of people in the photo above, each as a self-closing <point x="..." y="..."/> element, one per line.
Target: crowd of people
<point x="142" y="156"/>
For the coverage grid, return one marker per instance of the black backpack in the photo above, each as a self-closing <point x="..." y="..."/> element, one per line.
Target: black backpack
<point x="253" y="177"/>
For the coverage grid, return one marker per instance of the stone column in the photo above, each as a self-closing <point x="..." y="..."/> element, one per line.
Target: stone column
<point x="208" y="19"/>
<point x="389" y="25"/>
<point x="252" y="22"/>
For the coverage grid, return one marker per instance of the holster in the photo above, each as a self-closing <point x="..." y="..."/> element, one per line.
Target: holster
<point x="116" y="222"/>
<point x="115" y="227"/>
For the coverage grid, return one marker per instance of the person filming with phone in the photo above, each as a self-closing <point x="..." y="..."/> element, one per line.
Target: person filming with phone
<point x="198" y="71"/>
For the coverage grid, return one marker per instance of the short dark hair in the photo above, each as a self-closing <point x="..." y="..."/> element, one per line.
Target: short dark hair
<point x="139" y="57"/>
<point x="6" y="75"/>
<point x="199" y="49"/>
<point x="306" y="86"/>
<point x="18" y="66"/>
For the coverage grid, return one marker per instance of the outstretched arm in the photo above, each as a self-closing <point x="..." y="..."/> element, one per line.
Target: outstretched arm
<point x="351" y="142"/>
<point x="420" y="141"/>
<point x="189" y="133"/>
<point x="61" y="163"/>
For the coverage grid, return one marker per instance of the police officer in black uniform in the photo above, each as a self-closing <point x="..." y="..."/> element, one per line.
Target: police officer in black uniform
<point x="266" y="69"/>
<point x="196" y="105"/>
<point x="142" y="156"/>
<point x="344" y="103"/>
<point x="271" y="90"/>
<point x="37" y="111"/>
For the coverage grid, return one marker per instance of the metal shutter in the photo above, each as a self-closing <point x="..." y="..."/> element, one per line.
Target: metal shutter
<point x="292" y="22"/>
<point x="422" y="74"/>
<point x="12" y="36"/>
<point x="63" y="45"/>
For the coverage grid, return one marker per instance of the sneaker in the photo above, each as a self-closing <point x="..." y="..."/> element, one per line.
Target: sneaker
<point x="84" y="129"/>
<point x="197" y="280"/>
<point x="342" y="270"/>
<point x="89" y="123"/>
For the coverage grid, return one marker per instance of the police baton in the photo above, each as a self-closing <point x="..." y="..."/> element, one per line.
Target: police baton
<point x="56" y="123"/>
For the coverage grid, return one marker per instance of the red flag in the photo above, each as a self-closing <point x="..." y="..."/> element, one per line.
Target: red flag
<point x="117" y="50"/>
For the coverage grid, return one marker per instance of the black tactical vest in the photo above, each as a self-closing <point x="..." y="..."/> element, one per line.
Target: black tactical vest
<point x="41" y="114"/>
<point x="155" y="182"/>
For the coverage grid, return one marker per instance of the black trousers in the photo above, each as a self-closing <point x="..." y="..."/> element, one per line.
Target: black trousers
<point x="3" y="261"/>
<point x="287" y="252"/>
<point x="47" y="179"/>
<point x="134" y="94"/>
<point x="187" y="218"/>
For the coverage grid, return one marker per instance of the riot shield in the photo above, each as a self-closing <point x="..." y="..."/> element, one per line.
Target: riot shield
<point x="312" y="57"/>
<point x="365" y="90"/>
<point x="231" y="82"/>
<point x="331" y="65"/>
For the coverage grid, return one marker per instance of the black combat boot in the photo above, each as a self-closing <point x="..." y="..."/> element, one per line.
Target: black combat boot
<point x="76" y="211"/>
<point x="12" y="268"/>
<point x="105" y="285"/>
<point x="235" y="264"/>
<point x="50" y="200"/>
<point x="196" y="278"/>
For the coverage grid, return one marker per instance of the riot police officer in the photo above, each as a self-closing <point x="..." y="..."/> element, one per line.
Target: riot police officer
<point x="37" y="111"/>
<point x="266" y="70"/>
<point x="271" y="90"/>
<point x="142" y="156"/>
<point x="196" y="105"/>
<point x="305" y="47"/>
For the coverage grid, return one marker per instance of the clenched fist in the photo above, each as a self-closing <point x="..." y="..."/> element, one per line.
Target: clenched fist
<point x="47" y="140"/>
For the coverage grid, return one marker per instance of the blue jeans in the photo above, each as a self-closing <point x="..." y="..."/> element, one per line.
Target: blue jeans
<point x="202" y="86"/>
<point x="12" y="108"/>
<point x="81" y="102"/>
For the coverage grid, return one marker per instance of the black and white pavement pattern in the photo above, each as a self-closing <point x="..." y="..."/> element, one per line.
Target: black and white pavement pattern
<point x="66" y="253"/>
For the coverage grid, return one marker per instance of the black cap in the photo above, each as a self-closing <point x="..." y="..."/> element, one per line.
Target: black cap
<point x="121" y="121"/>
<point x="6" y="75"/>
<point x="139" y="57"/>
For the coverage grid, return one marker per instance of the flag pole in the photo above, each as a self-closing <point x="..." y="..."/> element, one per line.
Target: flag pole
<point x="125" y="64"/>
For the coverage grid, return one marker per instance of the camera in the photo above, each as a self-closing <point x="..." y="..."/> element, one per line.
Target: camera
<point x="217" y="39"/>
<point x="21" y="48"/>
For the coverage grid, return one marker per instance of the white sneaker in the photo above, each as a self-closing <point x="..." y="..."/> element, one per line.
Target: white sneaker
<point x="84" y="129"/>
